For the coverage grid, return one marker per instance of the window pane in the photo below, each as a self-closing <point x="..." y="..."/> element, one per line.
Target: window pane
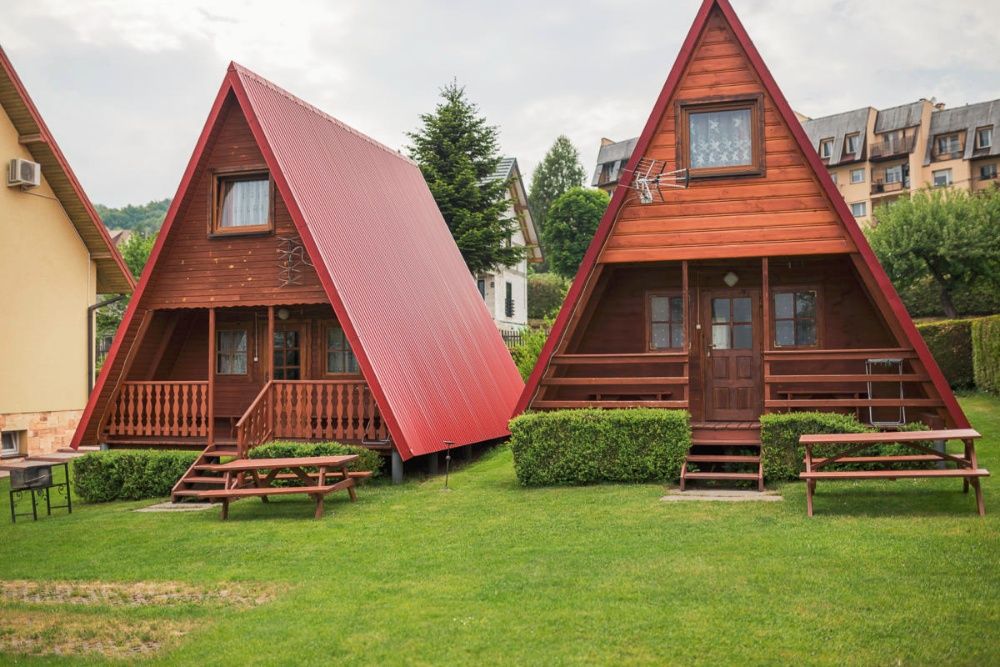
<point x="660" y="336"/>
<point x="783" y="303"/>
<point x="239" y="363"/>
<point x="660" y="308"/>
<point x="677" y="309"/>
<point x="677" y="336"/>
<point x="292" y="374"/>
<point x="720" y="336"/>
<point x="334" y="362"/>
<point x="352" y="362"/>
<point x="805" y="332"/>
<point x="805" y="304"/>
<point x="720" y="310"/>
<point x="720" y="139"/>
<point x="244" y="203"/>
<point x="741" y="310"/>
<point x="742" y="336"/>
<point x="784" y="333"/>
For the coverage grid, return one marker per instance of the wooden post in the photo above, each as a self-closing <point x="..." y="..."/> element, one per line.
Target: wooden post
<point x="269" y="351"/>
<point x="766" y="302"/>
<point x="211" y="381"/>
<point x="687" y="315"/>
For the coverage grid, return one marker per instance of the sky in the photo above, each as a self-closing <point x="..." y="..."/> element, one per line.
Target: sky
<point x="126" y="85"/>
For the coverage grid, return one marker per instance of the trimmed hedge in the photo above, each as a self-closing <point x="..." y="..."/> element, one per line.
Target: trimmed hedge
<point x="281" y="449"/>
<point x="986" y="353"/>
<point x="129" y="474"/>
<point x="782" y="456"/>
<point x="590" y="446"/>
<point x="950" y="342"/>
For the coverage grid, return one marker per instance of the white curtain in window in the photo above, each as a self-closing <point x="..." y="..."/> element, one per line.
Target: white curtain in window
<point x="245" y="203"/>
<point x="720" y="139"/>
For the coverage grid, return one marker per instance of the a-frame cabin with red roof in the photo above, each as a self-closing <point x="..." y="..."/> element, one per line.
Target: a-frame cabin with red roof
<point x="753" y="290"/>
<point x="304" y="286"/>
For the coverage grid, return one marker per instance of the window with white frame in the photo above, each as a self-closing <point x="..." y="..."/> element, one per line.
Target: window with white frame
<point x="894" y="174"/>
<point x="984" y="138"/>
<point x="11" y="444"/>
<point x="988" y="172"/>
<point x="826" y="148"/>
<point x="859" y="209"/>
<point x="833" y="177"/>
<point x="857" y="175"/>
<point x="942" y="178"/>
<point x="948" y="144"/>
<point x="852" y="144"/>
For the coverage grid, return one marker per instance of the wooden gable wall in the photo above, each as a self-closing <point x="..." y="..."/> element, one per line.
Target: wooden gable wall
<point x="197" y="271"/>
<point x="785" y="212"/>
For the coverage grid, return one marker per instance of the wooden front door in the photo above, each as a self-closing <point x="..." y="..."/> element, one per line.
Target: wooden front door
<point x="731" y="358"/>
<point x="289" y="352"/>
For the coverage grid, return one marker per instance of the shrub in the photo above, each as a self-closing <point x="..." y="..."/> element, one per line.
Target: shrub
<point x="923" y="298"/>
<point x="782" y="455"/>
<point x="590" y="446"/>
<point x="950" y="342"/>
<point x="546" y="292"/>
<point x="526" y="352"/>
<point x="281" y="449"/>
<point x="129" y="474"/>
<point x="986" y="353"/>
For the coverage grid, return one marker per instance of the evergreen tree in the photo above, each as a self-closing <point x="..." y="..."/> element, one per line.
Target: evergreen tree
<point x="458" y="152"/>
<point x="572" y="222"/>
<point x="558" y="172"/>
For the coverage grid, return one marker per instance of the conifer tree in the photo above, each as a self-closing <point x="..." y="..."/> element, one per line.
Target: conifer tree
<point x="557" y="173"/>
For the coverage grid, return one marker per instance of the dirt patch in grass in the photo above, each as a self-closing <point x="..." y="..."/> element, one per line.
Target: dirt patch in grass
<point x="138" y="594"/>
<point x="44" y="633"/>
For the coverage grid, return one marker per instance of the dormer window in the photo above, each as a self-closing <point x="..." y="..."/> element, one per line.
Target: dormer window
<point x="826" y="148"/>
<point x="242" y="203"/>
<point x="852" y="144"/>
<point x="723" y="138"/>
<point x="948" y="144"/>
<point x="984" y="138"/>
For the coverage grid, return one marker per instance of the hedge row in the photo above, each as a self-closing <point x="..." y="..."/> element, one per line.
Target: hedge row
<point x="129" y="474"/>
<point x="986" y="353"/>
<point x="590" y="446"/>
<point x="281" y="449"/>
<point x="950" y="342"/>
<point x="782" y="455"/>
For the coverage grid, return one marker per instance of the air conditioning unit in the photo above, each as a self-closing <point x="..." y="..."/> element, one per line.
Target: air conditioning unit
<point x="24" y="173"/>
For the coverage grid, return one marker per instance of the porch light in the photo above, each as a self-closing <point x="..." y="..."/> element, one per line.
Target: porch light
<point x="730" y="279"/>
<point x="283" y="314"/>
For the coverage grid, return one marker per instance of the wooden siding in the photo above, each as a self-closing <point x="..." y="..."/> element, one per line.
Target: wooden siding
<point x="196" y="270"/>
<point x="784" y="212"/>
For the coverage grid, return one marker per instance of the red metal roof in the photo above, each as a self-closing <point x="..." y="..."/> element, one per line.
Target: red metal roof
<point x="573" y="298"/>
<point x="423" y="337"/>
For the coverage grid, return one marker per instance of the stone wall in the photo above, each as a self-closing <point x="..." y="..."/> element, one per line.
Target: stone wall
<point x="42" y="432"/>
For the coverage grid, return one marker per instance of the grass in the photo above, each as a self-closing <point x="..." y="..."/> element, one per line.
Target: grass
<point x="886" y="573"/>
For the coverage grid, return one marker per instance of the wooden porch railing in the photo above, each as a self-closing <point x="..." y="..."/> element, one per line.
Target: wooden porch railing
<point x="159" y="409"/>
<point x="824" y="379"/>
<point x="624" y="390"/>
<point x="311" y="410"/>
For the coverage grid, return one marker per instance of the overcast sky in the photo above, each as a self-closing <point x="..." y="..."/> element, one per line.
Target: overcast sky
<point x="125" y="86"/>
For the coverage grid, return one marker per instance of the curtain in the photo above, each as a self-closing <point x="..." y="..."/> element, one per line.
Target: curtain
<point x="720" y="139"/>
<point x="245" y="203"/>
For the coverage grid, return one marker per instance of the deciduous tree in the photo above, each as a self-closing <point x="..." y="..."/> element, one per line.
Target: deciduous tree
<point x="573" y="218"/>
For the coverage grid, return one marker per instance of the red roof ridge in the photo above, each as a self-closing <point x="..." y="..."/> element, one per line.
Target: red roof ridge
<point x="243" y="71"/>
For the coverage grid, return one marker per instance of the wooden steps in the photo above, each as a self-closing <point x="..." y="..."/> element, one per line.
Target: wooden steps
<point x="724" y="451"/>
<point x="199" y="477"/>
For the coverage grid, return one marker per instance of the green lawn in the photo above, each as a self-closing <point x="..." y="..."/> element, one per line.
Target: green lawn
<point x="886" y="573"/>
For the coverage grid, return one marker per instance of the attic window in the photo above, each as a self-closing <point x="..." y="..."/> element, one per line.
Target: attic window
<point x="242" y="203"/>
<point x="826" y="148"/>
<point x="721" y="138"/>
<point x="984" y="138"/>
<point x="852" y="144"/>
<point x="948" y="145"/>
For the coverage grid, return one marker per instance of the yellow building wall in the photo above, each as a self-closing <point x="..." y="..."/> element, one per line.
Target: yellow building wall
<point x="47" y="280"/>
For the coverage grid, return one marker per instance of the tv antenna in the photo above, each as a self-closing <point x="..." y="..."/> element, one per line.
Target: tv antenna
<point x="650" y="177"/>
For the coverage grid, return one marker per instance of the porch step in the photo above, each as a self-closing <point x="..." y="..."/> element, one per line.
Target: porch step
<point x="722" y="458"/>
<point x="202" y="479"/>
<point x="729" y="442"/>
<point x="722" y="475"/>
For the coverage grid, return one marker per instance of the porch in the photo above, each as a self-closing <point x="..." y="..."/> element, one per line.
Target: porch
<point x="239" y="377"/>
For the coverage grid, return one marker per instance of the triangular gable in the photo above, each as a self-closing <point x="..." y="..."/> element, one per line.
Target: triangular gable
<point x="851" y="237"/>
<point x="112" y="273"/>
<point x="388" y="264"/>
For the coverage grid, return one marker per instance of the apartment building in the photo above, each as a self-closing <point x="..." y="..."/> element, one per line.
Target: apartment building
<point x="877" y="155"/>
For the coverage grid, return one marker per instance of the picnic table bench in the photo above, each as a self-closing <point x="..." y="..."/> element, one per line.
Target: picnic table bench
<point x="253" y="477"/>
<point x="967" y="465"/>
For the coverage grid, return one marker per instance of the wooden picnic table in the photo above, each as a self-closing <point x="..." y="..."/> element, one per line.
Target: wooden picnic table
<point x="967" y="465"/>
<point x="253" y="477"/>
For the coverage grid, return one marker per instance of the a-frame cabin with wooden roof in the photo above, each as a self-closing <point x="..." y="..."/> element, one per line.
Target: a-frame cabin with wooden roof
<point x="751" y="290"/>
<point x="304" y="286"/>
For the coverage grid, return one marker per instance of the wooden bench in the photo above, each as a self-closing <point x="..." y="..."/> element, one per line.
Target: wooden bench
<point x="253" y="477"/>
<point x="967" y="466"/>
